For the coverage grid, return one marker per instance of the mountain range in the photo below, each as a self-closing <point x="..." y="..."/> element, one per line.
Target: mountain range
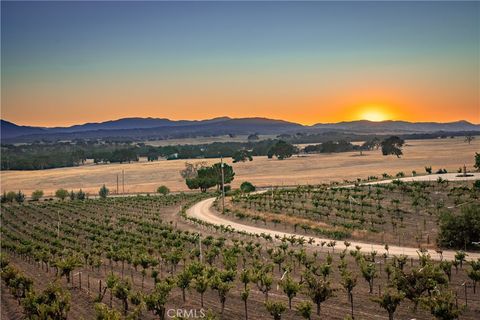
<point x="161" y="128"/>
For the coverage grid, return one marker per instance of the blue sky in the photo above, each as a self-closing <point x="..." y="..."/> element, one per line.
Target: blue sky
<point x="87" y="61"/>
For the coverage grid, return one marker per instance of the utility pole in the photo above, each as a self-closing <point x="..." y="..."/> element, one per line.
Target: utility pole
<point x="117" y="183"/>
<point x="123" y="181"/>
<point x="223" y="187"/>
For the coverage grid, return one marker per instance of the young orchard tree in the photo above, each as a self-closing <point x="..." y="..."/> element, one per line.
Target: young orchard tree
<point x="304" y="309"/>
<point x="121" y="291"/>
<point x="474" y="273"/>
<point x="290" y="288"/>
<point x="390" y="300"/>
<point x="264" y="281"/>
<point x="184" y="279"/>
<point x="443" y="305"/>
<point x="317" y="289"/>
<point x="460" y="256"/>
<point x="156" y="300"/>
<point x="53" y="303"/>
<point x="222" y="287"/>
<point x="103" y="312"/>
<point x="369" y="273"/>
<point x="67" y="264"/>
<point x="201" y="285"/>
<point x="246" y="277"/>
<point x="275" y="309"/>
<point x="244" y="295"/>
<point x="349" y="282"/>
<point x="446" y="266"/>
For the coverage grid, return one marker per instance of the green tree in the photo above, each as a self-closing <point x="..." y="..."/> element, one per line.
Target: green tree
<point x="460" y="230"/>
<point x="103" y="312"/>
<point x="10" y="196"/>
<point x="474" y="273"/>
<point x="247" y="187"/>
<point x="37" y="195"/>
<point x="369" y="273"/>
<point x="61" y="194"/>
<point x="275" y="309"/>
<point x="164" y="190"/>
<point x="290" y="288"/>
<point x="442" y="305"/>
<point x="392" y="145"/>
<point x="52" y="303"/>
<point x="208" y="177"/>
<point x="121" y="291"/>
<point x="222" y="286"/>
<point x="477" y="161"/>
<point x="390" y="300"/>
<point x="244" y="295"/>
<point x="19" y="197"/>
<point x="304" y="308"/>
<point x="201" y="285"/>
<point x="67" y="264"/>
<point x="103" y="192"/>
<point x="156" y="300"/>
<point x="317" y="289"/>
<point x="282" y="150"/>
<point x="184" y="279"/>
<point x="349" y="282"/>
<point x="242" y="156"/>
<point x="81" y="195"/>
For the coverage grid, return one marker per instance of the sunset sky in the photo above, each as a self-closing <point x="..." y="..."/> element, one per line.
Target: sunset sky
<point x="66" y="63"/>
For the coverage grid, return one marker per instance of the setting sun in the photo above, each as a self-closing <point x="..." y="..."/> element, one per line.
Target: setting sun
<point x="373" y="114"/>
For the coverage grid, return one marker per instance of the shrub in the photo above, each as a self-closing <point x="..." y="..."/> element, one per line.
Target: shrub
<point x="247" y="187"/>
<point x="61" y="194"/>
<point x="163" y="190"/>
<point x="37" y="194"/>
<point x="476" y="185"/>
<point x="10" y="196"/>
<point x="19" y="197"/>
<point x="103" y="192"/>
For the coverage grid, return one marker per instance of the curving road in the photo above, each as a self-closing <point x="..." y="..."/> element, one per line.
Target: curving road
<point x="203" y="211"/>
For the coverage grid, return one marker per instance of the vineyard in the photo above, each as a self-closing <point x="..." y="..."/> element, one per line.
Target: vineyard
<point x="404" y="214"/>
<point x="140" y="258"/>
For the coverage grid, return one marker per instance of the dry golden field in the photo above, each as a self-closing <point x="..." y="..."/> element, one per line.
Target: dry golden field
<point x="204" y="140"/>
<point x="145" y="176"/>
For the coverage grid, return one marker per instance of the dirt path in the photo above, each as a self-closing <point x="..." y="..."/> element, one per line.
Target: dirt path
<point x="203" y="211"/>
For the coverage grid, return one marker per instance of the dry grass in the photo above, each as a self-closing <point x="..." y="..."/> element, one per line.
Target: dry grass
<point x="204" y="140"/>
<point x="145" y="177"/>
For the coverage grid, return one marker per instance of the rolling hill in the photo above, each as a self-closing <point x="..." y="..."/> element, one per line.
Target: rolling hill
<point x="161" y="128"/>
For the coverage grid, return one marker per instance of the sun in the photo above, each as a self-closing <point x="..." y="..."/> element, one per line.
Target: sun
<point x="373" y="114"/>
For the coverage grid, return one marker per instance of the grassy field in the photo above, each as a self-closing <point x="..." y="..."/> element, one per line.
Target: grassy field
<point x="310" y="169"/>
